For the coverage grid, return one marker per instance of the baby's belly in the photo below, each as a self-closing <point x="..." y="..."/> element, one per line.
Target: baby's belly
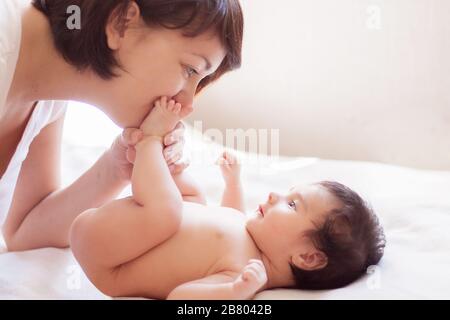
<point x="195" y="251"/>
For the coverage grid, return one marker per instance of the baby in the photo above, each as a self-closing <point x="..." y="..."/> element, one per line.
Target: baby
<point x="164" y="242"/>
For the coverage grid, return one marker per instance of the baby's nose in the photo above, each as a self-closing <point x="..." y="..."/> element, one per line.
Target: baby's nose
<point x="273" y="197"/>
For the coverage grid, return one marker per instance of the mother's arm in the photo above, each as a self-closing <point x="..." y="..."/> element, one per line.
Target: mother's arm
<point x="41" y="213"/>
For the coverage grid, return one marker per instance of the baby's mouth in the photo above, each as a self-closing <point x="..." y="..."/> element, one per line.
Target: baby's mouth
<point x="260" y="210"/>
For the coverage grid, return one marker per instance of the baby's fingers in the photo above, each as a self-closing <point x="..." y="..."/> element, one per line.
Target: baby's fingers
<point x="251" y="279"/>
<point x="255" y="262"/>
<point x="227" y="156"/>
<point x="227" y="159"/>
<point x="257" y="266"/>
<point x="249" y="275"/>
<point x="221" y="160"/>
<point x="231" y="158"/>
<point x="251" y="271"/>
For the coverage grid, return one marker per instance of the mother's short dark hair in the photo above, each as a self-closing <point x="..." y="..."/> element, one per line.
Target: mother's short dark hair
<point x="88" y="47"/>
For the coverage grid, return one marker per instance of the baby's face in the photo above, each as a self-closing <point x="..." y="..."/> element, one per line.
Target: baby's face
<point x="278" y="225"/>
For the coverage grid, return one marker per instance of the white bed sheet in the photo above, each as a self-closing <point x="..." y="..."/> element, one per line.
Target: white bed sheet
<point x="413" y="205"/>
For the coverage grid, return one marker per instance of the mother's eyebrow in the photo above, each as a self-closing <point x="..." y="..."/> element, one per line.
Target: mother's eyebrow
<point x="208" y="63"/>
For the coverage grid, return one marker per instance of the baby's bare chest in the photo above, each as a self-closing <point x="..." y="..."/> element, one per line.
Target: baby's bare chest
<point x="209" y="240"/>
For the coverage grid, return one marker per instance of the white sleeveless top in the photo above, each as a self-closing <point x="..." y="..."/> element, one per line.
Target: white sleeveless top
<point x="44" y="113"/>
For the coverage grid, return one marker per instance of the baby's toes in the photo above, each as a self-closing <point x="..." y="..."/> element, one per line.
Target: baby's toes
<point x="164" y="101"/>
<point x="171" y="106"/>
<point x="177" y="108"/>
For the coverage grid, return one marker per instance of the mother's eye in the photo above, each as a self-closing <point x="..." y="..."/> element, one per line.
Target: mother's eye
<point x="190" y="71"/>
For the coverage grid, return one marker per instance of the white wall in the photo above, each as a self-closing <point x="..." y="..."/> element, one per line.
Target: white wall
<point x="343" y="79"/>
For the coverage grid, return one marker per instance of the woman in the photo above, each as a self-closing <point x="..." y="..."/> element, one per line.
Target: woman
<point x="126" y="55"/>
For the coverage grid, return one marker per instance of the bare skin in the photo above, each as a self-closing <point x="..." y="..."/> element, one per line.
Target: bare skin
<point x="157" y="62"/>
<point x="164" y="242"/>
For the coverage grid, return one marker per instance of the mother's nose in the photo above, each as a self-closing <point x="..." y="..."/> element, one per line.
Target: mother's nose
<point x="186" y="99"/>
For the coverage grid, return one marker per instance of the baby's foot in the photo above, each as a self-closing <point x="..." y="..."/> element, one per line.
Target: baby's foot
<point x="162" y="119"/>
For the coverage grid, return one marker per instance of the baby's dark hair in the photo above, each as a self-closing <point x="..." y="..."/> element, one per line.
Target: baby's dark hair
<point x="351" y="237"/>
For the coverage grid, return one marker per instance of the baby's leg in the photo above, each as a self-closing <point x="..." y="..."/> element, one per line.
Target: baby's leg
<point x="105" y="238"/>
<point x="189" y="189"/>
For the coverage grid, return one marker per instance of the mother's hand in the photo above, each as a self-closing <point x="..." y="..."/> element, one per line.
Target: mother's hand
<point x="123" y="151"/>
<point x="173" y="152"/>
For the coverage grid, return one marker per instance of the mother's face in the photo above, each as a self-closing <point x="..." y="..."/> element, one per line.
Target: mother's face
<point x="156" y="62"/>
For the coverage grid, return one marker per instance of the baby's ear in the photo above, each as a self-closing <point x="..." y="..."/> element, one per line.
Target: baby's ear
<point x="310" y="261"/>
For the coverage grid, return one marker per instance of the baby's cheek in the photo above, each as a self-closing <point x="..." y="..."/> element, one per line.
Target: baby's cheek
<point x="276" y="225"/>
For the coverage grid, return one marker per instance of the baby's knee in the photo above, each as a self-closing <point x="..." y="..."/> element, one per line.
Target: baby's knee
<point x="169" y="217"/>
<point x="174" y="213"/>
<point x="79" y="232"/>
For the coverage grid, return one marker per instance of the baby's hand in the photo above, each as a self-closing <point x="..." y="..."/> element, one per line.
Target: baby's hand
<point x="252" y="278"/>
<point x="162" y="119"/>
<point x="230" y="167"/>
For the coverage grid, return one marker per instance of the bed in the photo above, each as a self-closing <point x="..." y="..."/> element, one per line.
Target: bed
<point x="413" y="205"/>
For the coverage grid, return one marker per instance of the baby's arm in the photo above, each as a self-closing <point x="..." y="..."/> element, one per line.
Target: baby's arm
<point x="233" y="195"/>
<point x="215" y="287"/>
<point x="224" y="286"/>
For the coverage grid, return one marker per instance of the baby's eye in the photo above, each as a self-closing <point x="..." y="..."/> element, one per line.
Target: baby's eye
<point x="292" y="205"/>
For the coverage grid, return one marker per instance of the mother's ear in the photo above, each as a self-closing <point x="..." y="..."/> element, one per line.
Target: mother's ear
<point x="310" y="261"/>
<point x="118" y="23"/>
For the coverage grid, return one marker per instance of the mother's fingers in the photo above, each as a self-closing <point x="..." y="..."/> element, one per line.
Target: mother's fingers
<point x="180" y="125"/>
<point x="175" y="135"/>
<point x="173" y="158"/>
<point x="179" y="166"/>
<point x="131" y="154"/>
<point x="131" y="136"/>
<point x="174" y="149"/>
